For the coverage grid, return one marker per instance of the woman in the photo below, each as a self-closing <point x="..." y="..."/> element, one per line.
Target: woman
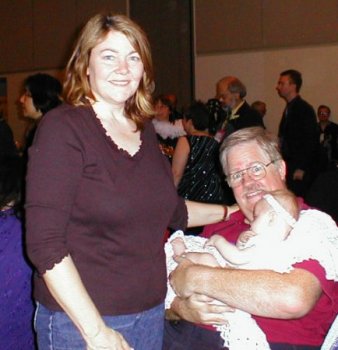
<point x="42" y="93"/>
<point x="168" y="129"/>
<point x="16" y="309"/>
<point x="195" y="166"/>
<point x="99" y="198"/>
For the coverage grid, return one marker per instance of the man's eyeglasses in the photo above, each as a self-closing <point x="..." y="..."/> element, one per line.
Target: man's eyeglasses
<point x="256" y="171"/>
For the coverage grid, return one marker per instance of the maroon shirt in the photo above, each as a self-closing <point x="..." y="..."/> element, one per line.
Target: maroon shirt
<point x="107" y="209"/>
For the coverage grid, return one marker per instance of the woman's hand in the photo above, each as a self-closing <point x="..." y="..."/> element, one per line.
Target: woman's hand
<point x="231" y="209"/>
<point x="107" y="339"/>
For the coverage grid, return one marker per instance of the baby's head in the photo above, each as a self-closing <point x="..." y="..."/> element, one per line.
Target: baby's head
<point x="277" y="211"/>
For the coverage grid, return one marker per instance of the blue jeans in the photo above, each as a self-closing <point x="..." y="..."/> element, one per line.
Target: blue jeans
<point x="143" y="331"/>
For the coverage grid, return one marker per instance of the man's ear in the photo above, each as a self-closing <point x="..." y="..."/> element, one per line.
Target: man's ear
<point x="282" y="169"/>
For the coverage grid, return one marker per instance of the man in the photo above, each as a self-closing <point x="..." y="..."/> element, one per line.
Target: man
<point x="298" y="133"/>
<point x="231" y="93"/>
<point x="328" y="138"/>
<point x="293" y="309"/>
<point x="260" y="107"/>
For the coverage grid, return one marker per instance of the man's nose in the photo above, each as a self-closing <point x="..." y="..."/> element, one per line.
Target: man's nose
<point x="246" y="178"/>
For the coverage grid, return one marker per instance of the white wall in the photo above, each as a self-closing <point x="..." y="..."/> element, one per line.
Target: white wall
<point x="259" y="71"/>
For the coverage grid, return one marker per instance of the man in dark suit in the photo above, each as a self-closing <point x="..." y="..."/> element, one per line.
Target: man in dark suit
<point x="231" y="93"/>
<point x="298" y="134"/>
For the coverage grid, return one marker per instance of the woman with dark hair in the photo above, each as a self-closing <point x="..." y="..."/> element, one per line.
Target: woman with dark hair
<point x="195" y="164"/>
<point x="42" y="93"/>
<point x="16" y="307"/>
<point x="100" y="196"/>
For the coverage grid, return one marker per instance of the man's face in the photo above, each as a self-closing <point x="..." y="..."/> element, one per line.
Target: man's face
<point x="249" y="191"/>
<point x="285" y="87"/>
<point x="225" y="97"/>
<point x="323" y="114"/>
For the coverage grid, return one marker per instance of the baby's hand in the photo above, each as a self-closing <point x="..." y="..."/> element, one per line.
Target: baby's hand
<point x="178" y="246"/>
<point x="244" y="238"/>
<point x="214" y="240"/>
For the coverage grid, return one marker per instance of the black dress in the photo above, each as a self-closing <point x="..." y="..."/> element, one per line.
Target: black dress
<point x="202" y="180"/>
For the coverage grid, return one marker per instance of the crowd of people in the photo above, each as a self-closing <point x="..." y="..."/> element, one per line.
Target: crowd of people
<point x="107" y="169"/>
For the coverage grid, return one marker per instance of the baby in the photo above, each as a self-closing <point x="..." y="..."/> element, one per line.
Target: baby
<point x="275" y="215"/>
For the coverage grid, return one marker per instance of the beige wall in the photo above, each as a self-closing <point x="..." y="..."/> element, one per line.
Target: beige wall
<point x="259" y="71"/>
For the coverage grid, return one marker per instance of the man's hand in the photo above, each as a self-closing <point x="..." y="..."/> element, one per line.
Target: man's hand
<point x="199" y="308"/>
<point x="179" y="278"/>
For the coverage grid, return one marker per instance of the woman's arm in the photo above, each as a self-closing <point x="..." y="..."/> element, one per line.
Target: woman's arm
<point x="64" y="283"/>
<point x="180" y="159"/>
<point x="200" y="214"/>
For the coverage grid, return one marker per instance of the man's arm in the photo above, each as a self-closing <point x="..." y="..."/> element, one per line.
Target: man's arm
<point x="259" y="292"/>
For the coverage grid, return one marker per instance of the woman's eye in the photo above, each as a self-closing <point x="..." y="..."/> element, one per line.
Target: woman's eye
<point x="135" y="58"/>
<point x="109" y="58"/>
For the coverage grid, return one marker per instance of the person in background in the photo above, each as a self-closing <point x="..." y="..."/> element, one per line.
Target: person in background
<point x="328" y="138"/>
<point x="175" y="114"/>
<point x="42" y="93"/>
<point x="100" y="196"/>
<point x="7" y="143"/>
<point x="231" y="92"/>
<point x="217" y="117"/>
<point x="16" y="308"/>
<point x="260" y="107"/>
<point x="298" y="134"/>
<point x="195" y="164"/>
<point x="168" y="129"/>
<point x="294" y="309"/>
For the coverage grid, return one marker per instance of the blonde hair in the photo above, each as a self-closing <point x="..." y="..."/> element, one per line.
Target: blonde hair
<point x="77" y="89"/>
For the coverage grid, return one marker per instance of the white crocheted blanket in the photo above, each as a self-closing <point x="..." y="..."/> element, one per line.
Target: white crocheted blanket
<point x="315" y="236"/>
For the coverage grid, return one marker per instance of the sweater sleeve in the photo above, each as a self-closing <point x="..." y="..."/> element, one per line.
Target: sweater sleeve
<point x="179" y="220"/>
<point x="54" y="172"/>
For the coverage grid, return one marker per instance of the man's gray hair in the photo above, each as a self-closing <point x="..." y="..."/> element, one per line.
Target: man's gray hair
<point x="266" y="141"/>
<point x="234" y="85"/>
